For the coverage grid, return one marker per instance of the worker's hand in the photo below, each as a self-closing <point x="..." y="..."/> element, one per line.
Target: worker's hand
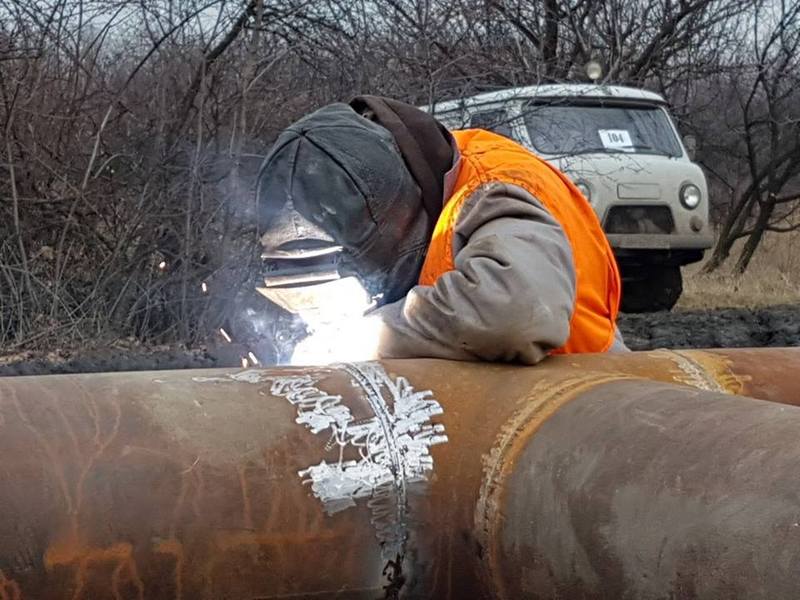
<point x="349" y="340"/>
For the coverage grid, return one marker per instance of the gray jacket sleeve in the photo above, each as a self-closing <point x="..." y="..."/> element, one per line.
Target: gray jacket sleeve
<point x="510" y="297"/>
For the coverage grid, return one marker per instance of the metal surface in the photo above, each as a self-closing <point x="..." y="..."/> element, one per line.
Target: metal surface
<point x="763" y="373"/>
<point x="578" y="478"/>
<point x="645" y="493"/>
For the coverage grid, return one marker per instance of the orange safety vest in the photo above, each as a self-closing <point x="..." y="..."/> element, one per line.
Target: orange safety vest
<point x="486" y="158"/>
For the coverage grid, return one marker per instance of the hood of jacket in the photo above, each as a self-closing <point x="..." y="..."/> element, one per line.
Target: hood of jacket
<point x="367" y="177"/>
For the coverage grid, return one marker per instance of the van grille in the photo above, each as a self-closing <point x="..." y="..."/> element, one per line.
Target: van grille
<point x="639" y="219"/>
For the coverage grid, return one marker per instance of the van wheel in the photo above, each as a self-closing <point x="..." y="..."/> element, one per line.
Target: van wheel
<point x="652" y="289"/>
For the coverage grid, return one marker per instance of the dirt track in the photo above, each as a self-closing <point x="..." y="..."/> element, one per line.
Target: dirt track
<point x="734" y="327"/>
<point x="721" y="328"/>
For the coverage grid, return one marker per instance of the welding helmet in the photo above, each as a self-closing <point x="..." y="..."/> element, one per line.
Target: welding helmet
<point x="336" y="201"/>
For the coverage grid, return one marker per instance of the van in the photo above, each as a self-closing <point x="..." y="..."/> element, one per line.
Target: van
<point x="620" y="147"/>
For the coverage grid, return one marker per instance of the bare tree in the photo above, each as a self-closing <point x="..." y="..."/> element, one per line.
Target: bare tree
<point x="764" y="94"/>
<point x="133" y="131"/>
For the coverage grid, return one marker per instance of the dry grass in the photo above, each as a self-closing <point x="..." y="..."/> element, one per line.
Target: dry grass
<point x="773" y="277"/>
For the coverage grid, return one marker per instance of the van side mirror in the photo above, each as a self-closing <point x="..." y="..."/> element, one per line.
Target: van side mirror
<point x="690" y="142"/>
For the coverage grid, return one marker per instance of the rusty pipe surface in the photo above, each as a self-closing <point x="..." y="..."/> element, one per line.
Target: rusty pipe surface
<point x="762" y="373"/>
<point x="410" y="479"/>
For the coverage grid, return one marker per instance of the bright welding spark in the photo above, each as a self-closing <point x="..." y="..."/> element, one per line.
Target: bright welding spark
<point x="245" y="364"/>
<point x="253" y="358"/>
<point x="339" y="329"/>
<point x="349" y="340"/>
<point x="224" y="334"/>
<point x="162" y="265"/>
<point x="204" y="287"/>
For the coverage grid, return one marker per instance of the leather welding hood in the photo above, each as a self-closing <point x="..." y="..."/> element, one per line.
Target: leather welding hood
<point x="357" y="173"/>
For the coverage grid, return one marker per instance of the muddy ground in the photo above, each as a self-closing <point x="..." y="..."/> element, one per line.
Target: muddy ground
<point x="722" y="328"/>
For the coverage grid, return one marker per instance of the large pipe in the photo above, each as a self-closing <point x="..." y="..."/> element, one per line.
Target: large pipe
<point x="571" y="479"/>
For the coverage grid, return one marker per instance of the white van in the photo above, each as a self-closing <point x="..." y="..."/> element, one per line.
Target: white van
<point x="621" y="148"/>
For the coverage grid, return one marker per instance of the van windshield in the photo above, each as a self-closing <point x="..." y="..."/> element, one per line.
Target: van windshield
<point x="596" y="129"/>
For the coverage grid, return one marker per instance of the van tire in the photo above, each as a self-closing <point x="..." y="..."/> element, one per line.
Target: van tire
<point x="654" y="288"/>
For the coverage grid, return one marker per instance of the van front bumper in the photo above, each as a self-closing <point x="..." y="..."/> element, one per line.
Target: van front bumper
<point x="655" y="241"/>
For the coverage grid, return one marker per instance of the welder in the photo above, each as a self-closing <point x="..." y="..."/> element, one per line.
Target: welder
<point x="466" y="245"/>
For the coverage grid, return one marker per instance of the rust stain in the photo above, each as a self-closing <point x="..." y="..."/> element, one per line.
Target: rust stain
<point x="9" y="589"/>
<point x="72" y="550"/>
<point x="174" y="548"/>
<point x="74" y="432"/>
<point x="133" y="576"/>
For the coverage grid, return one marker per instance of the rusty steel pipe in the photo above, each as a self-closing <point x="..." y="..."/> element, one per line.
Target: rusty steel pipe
<point x="570" y="479"/>
<point x="763" y="373"/>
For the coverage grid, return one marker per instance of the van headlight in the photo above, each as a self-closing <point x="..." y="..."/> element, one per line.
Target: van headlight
<point x="691" y="196"/>
<point x="585" y="189"/>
